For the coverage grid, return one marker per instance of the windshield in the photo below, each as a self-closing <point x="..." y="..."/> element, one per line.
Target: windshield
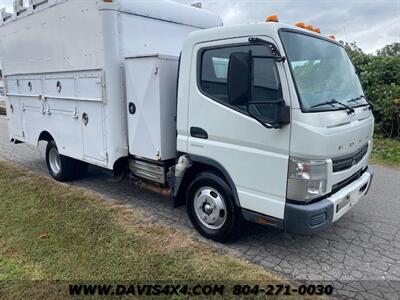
<point x="322" y="71"/>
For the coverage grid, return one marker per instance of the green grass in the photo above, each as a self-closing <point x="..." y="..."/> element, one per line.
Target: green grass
<point x="86" y="239"/>
<point x="386" y="152"/>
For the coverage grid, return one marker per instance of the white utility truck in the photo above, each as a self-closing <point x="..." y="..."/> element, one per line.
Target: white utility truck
<point x="260" y="122"/>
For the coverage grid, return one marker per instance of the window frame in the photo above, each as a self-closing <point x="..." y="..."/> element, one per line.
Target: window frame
<point x="200" y="54"/>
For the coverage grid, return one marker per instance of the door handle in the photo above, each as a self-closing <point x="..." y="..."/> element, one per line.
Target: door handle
<point x="199" y="133"/>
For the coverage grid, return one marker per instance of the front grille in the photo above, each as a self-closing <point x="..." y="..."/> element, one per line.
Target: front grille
<point x="346" y="162"/>
<point x="342" y="184"/>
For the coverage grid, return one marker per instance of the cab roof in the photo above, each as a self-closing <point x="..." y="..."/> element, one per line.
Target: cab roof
<point x="270" y="29"/>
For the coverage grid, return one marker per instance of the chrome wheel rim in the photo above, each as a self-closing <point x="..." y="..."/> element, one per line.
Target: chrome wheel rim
<point x="54" y="161"/>
<point x="210" y="208"/>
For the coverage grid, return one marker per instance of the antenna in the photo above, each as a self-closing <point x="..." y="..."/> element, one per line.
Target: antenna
<point x="345" y="33"/>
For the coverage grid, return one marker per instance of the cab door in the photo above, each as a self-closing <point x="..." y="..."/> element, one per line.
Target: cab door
<point x="255" y="157"/>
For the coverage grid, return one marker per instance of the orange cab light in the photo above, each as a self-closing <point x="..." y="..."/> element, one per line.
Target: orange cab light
<point x="310" y="27"/>
<point x="317" y="30"/>
<point x="273" y="18"/>
<point x="301" y="25"/>
<point x="108" y="1"/>
<point x="332" y="37"/>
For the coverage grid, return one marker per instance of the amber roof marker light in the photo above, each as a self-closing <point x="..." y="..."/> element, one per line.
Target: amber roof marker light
<point x="332" y="37"/>
<point x="301" y="25"/>
<point x="310" y="27"/>
<point x="273" y="18"/>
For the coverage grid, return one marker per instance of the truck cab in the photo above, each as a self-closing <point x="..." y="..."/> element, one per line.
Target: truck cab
<point x="280" y="114"/>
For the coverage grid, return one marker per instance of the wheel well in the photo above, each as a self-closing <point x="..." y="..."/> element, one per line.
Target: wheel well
<point x="45" y="136"/>
<point x="120" y="165"/>
<point x="195" y="169"/>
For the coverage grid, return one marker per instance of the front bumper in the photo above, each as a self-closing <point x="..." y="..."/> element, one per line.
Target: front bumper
<point x="315" y="217"/>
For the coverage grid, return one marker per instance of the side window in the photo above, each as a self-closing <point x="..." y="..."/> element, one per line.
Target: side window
<point x="266" y="82"/>
<point x="214" y="73"/>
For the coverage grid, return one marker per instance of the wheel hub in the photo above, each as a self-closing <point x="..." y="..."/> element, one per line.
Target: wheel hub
<point x="210" y="208"/>
<point x="55" y="161"/>
<point x="207" y="208"/>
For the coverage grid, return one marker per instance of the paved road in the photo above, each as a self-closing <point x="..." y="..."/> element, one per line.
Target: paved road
<point x="358" y="253"/>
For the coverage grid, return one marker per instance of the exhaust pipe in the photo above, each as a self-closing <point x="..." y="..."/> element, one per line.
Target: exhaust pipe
<point x="163" y="191"/>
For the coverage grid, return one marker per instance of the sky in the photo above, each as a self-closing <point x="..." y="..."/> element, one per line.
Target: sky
<point x="371" y="23"/>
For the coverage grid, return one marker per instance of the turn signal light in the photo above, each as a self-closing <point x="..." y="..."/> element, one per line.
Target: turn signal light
<point x="301" y="25"/>
<point x="273" y="18"/>
<point x="332" y="37"/>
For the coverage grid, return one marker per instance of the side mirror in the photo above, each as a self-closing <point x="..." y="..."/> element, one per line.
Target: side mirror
<point x="239" y="78"/>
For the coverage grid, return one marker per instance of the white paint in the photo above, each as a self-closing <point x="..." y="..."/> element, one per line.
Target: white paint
<point x="151" y="88"/>
<point x="81" y="46"/>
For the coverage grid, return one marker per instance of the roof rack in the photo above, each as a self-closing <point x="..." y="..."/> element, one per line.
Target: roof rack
<point x="35" y="3"/>
<point x="4" y="15"/>
<point x="19" y="6"/>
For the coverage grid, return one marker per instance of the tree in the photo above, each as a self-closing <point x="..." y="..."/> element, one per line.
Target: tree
<point x="380" y="77"/>
<point x="390" y="50"/>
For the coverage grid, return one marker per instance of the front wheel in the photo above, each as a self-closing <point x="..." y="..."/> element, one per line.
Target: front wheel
<point x="60" y="167"/>
<point x="212" y="209"/>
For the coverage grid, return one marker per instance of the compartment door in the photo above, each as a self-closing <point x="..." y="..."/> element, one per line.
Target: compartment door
<point x="16" y="130"/>
<point x="143" y="107"/>
<point x="91" y="115"/>
<point x="14" y="109"/>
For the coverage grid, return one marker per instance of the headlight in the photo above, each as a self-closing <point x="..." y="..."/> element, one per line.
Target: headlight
<point x="307" y="179"/>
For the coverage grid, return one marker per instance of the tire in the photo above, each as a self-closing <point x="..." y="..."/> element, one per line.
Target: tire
<point x="212" y="209"/>
<point x="61" y="168"/>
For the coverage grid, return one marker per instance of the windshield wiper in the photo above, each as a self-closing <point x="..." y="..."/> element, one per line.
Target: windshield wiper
<point x="359" y="98"/>
<point x="332" y="102"/>
<point x="356" y="99"/>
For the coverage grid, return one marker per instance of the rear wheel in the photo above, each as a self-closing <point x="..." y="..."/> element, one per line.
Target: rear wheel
<point x="212" y="209"/>
<point x="61" y="168"/>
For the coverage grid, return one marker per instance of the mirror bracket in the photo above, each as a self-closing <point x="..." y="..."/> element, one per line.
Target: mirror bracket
<point x="283" y="115"/>
<point x="275" y="52"/>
